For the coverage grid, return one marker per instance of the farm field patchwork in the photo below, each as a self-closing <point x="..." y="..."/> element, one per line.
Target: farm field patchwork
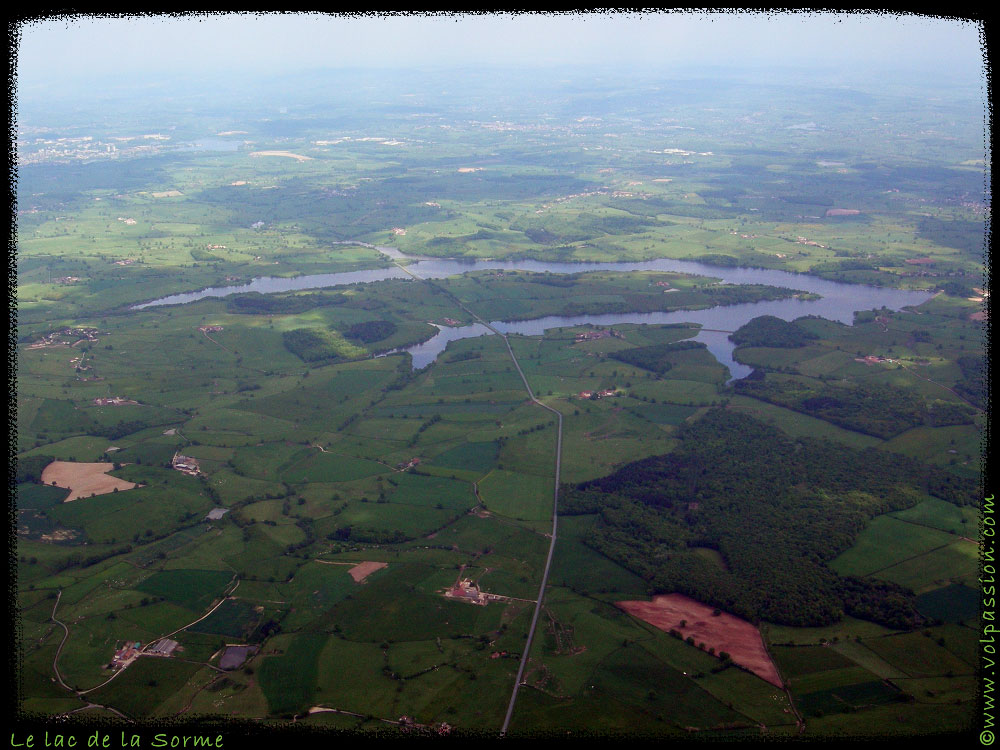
<point x="332" y="501"/>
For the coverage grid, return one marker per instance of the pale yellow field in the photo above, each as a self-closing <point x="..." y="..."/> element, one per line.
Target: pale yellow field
<point x="362" y="570"/>
<point x="289" y="154"/>
<point x="83" y="479"/>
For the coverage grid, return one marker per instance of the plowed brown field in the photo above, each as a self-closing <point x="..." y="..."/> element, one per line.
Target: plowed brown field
<point x="724" y="632"/>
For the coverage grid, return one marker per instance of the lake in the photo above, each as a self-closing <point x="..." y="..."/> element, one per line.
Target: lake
<point x="838" y="301"/>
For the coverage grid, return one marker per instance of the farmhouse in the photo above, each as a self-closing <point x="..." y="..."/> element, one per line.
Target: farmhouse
<point x="594" y="335"/>
<point x="113" y="401"/>
<point x="467" y="591"/>
<point x="871" y="359"/>
<point x="805" y="241"/>
<point x="185" y="464"/>
<point x="125" y="655"/>
<point x="163" y="647"/>
<point x="597" y="394"/>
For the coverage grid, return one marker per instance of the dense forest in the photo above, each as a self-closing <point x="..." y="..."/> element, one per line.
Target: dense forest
<point x="370" y="331"/>
<point x="876" y="409"/>
<point x="970" y="386"/>
<point x="768" y="330"/>
<point x="29" y="468"/>
<point x="255" y="303"/>
<point x="655" y="357"/>
<point x="776" y="509"/>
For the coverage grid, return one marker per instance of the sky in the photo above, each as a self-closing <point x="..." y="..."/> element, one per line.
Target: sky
<point x="62" y="47"/>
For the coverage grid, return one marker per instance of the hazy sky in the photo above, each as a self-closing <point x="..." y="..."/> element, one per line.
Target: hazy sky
<point x="65" y="46"/>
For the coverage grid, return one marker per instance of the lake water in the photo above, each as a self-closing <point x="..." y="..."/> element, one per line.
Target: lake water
<point x="837" y="301"/>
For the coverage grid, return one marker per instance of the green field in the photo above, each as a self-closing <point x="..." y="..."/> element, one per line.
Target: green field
<point x="193" y="589"/>
<point x="888" y="542"/>
<point x="953" y="603"/>
<point x="918" y="655"/>
<point x="146" y="685"/>
<point x="957" y="562"/>
<point x="522" y="496"/>
<point x="289" y="680"/>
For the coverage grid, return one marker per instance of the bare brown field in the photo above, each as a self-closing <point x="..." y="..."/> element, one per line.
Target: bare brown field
<point x="362" y="570"/>
<point x="83" y="479"/>
<point x="724" y="632"/>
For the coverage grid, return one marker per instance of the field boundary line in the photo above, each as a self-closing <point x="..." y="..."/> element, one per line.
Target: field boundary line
<point x="908" y="559"/>
<point x="913" y="372"/>
<point x="928" y="526"/>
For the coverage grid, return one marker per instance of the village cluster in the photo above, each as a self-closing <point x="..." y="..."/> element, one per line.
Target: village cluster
<point x="56" y="337"/>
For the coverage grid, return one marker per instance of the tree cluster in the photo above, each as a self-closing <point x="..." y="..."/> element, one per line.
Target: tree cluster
<point x="655" y="357"/>
<point x="776" y="509"/>
<point x="767" y="330"/>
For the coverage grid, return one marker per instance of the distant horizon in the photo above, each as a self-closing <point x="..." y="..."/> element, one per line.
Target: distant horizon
<point x="427" y="80"/>
<point x="65" y="48"/>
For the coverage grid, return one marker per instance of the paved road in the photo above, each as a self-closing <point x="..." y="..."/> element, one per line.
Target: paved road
<point x="555" y="497"/>
<point x="552" y="544"/>
<point x="55" y="659"/>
